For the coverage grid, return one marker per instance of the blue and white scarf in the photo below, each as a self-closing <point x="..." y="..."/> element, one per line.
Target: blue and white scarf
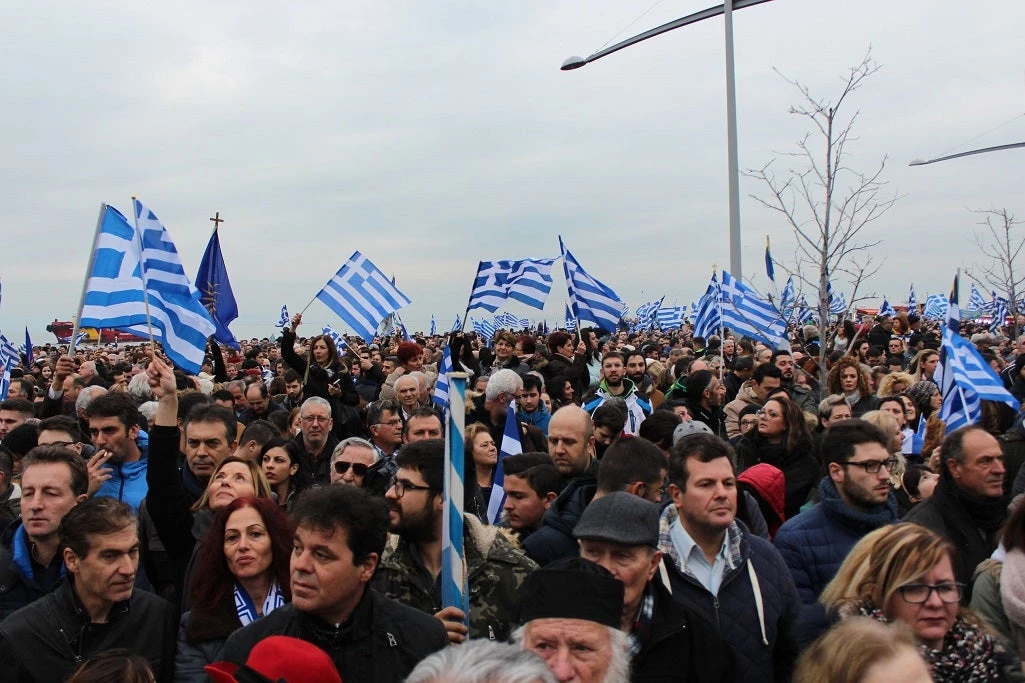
<point x="245" y="608"/>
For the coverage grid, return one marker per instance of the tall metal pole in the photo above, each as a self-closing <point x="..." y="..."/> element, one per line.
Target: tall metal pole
<point x="731" y="146"/>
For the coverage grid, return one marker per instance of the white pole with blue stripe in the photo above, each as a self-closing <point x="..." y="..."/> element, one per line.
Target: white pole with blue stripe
<point x="454" y="591"/>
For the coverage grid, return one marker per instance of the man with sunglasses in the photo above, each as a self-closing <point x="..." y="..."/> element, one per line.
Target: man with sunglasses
<point x="854" y="499"/>
<point x="350" y="461"/>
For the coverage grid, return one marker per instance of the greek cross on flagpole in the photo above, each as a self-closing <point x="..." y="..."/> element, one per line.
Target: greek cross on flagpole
<point x="217" y="220"/>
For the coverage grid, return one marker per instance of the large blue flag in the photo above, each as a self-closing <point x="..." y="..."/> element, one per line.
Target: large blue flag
<point x="528" y="281"/>
<point x="748" y="314"/>
<point x="362" y="296"/>
<point x="591" y="300"/>
<point x="708" y="319"/>
<point x="212" y="282"/>
<point x="886" y="309"/>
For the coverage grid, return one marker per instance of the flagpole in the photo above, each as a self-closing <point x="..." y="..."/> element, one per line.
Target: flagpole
<point x="85" y="282"/>
<point x="454" y="591"/>
<point x="142" y="272"/>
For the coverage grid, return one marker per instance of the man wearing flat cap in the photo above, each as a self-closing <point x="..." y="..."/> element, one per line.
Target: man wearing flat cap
<point x="571" y="611"/>
<point x="668" y="641"/>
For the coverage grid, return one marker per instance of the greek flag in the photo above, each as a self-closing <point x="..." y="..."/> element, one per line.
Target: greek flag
<point x="129" y="266"/>
<point x="440" y="397"/>
<point x="591" y="300"/>
<point x="510" y="446"/>
<point x="646" y="313"/>
<point x="8" y="359"/>
<point x="283" y="320"/>
<point x="838" y="302"/>
<point x="434" y="326"/>
<point x="523" y="323"/>
<point x="787" y="299"/>
<point x="1000" y="313"/>
<point x="805" y="313"/>
<point x="485" y="328"/>
<point x="458" y="324"/>
<point x="935" y="307"/>
<point x="886" y="309"/>
<point x="528" y="281"/>
<point x="912" y="300"/>
<point x="749" y="315"/>
<point x="454" y="591"/>
<point x="670" y="318"/>
<point x="975" y="301"/>
<point x="506" y="320"/>
<point x="708" y="320"/>
<point x="967" y="379"/>
<point x="334" y="336"/>
<point x="362" y="296"/>
<point x="571" y="322"/>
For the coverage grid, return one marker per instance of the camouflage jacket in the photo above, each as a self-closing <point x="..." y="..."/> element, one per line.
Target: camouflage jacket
<point x="496" y="569"/>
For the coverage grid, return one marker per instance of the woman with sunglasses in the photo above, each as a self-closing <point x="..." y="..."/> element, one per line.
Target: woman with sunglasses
<point x="281" y="462"/>
<point x="905" y="572"/>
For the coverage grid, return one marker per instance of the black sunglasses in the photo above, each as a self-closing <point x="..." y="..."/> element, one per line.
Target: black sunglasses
<point x="358" y="468"/>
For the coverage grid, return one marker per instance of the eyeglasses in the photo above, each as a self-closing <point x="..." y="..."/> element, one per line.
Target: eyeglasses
<point x="919" y="593"/>
<point x="392" y="423"/>
<point x="315" y="419"/>
<point x="402" y="486"/>
<point x="873" y="466"/>
<point x="62" y="444"/>
<point x="358" y="468"/>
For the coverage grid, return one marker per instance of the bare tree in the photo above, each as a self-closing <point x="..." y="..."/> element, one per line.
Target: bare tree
<point x="1002" y="244"/>
<point x="827" y="203"/>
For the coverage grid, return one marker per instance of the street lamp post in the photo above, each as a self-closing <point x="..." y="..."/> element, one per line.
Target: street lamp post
<point x="733" y="164"/>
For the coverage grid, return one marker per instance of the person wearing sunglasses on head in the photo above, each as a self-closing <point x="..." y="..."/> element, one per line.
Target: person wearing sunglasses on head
<point x="350" y="461"/>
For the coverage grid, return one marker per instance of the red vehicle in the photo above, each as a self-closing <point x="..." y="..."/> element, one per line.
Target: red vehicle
<point x="62" y="330"/>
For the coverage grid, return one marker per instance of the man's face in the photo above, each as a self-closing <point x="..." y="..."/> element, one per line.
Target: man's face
<point x="14" y="391"/>
<point x="768" y="385"/>
<point x="839" y="412"/>
<point x="604" y="435"/>
<point x="896" y="347"/>
<point x="633" y="565"/>
<point x="714" y="393"/>
<point x="413" y="515"/>
<point x="728" y="347"/>
<point x="326" y="582"/>
<point x="523" y="507"/>
<point x="206" y="445"/>
<point x="748" y="422"/>
<point x="876" y="359"/>
<point x="613" y="371"/>
<point x="240" y="398"/>
<point x="46" y="497"/>
<point x="9" y="419"/>
<point x="53" y="437"/>
<point x="710" y="501"/>
<point x="529" y="400"/>
<point x="635" y="368"/>
<point x="420" y="428"/>
<point x="786" y="366"/>
<point x="887" y="324"/>
<point x="857" y="487"/>
<point x="316" y="424"/>
<point x="574" y="649"/>
<point x="897" y="410"/>
<point x="353" y="463"/>
<point x="388" y="367"/>
<point x="107" y="572"/>
<point x="981" y="471"/>
<point x="110" y="434"/>
<point x="257" y="403"/>
<point x="569" y="442"/>
<point x="388" y="432"/>
<point x="407" y="390"/>
<point x="294" y="390"/>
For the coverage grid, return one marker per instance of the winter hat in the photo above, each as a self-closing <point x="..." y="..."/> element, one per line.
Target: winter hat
<point x="572" y="588"/>
<point x="921" y="392"/>
<point x="278" y="659"/>
<point x="620" y="517"/>
<point x="690" y="427"/>
<point x="22" y="438"/>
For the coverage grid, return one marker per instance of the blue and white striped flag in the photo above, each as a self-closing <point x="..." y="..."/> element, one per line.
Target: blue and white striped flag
<point x="454" y="591"/>
<point x="506" y="320"/>
<point x="748" y="314"/>
<point x="708" y="320"/>
<point x="975" y="301"/>
<point x="283" y="320"/>
<point x="646" y="313"/>
<point x="528" y="281"/>
<point x="440" y="397"/>
<point x="434" y="326"/>
<point x="591" y="300"/>
<point x="837" y="302"/>
<point x="8" y="360"/>
<point x="571" y="322"/>
<point x="670" y="318"/>
<point x="1000" y="312"/>
<point x="912" y="300"/>
<point x="967" y="379"/>
<point x="335" y="336"/>
<point x="510" y="446"/>
<point x="886" y="309"/>
<point x="485" y="328"/>
<point x="124" y="259"/>
<point x="787" y="299"/>
<point x="362" y="296"/>
<point x="805" y="314"/>
<point x="935" y="307"/>
<point x="524" y="323"/>
<point x="458" y="324"/>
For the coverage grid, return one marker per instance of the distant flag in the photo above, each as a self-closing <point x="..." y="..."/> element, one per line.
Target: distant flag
<point x="837" y="302"/>
<point x="283" y="320"/>
<point x="123" y="260"/>
<point x="646" y="313"/>
<point x="1000" y="312"/>
<point x="571" y="322"/>
<point x="362" y="296"/>
<point x="967" y="378"/>
<point x="670" y="318"/>
<point x="29" y="359"/>
<point x="912" y="300"/>
<point x="506" y="320"/>
<point x="524" y="323"/>
<point x="510" y="446"/>
<point x="748" y="314"/>
<point x="886" y="309"/>
<point x="528" y="281"/>
<point x="434" y="326"/>
<point x="975" y="301"/>
<point x="335" y="336"/>
<point x="215" y="290"/>
<point x="79" y="338"/>
<point x="805" y="313"/>
<point x="708" y="320"/>
<point x="591" y="300"/>
<point x="441" y="385"/>
<point x="787" y="299"/>
<point x="935" y="307"/>
<point x="485" y="328"/>
<point x="8" y="359"/>
<point x="454" y="590"/>
<point x="458" y="324"/>
<point x="769" y="268"/>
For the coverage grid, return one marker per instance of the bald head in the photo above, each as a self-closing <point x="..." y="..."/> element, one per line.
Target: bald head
<point x="571" y="440"/>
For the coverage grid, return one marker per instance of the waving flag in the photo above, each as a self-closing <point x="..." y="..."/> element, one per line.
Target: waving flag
<point x="510" y="446"/>
<point x="769" y="269"/>
<point x="708" y="320"/>
<point x="591" y="300"/>
<point x="215" y="290"/>
<point x="485" y="328"/>
<point x="912" y="300"/>
<point x="283" y="320"/>
<point x="975" y="301"/>
<point x="571" y="322"/>
<point x="670" y="318"/>
<point x="886" y="309"/>
<point x="440" y="397"/>
<point x="362" y="296"/>
<point x="127" y="268"/>
<point x="748" y="314"/>
<point x="967" y="378"/>
<point x="528" y="281"/>
<point x="837" y="302"/>
<point x="1000" y="313"/>
<point x="434" y="326"/>
<point x="458" y="324"/>
<point x="646" y="313"/>
<point x="8" y="359"/>
<point x="787" y="299"/>
<point x="29" y="359"/>
<point x="935" y="307"/>
<point x="335" y="336"/>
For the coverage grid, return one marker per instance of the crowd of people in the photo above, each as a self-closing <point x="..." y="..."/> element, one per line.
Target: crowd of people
<point x="679" y="509"/>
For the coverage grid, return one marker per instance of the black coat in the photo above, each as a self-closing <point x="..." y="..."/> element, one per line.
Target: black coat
<point x="381" y="642"/>
<point x="41" y="641"/>
<point x="17" y="588"/>
<point x="554" y="540"/>
<point x="800" y="468"/>
<point x="560" y="367"/>
<point x="343" y="406"/>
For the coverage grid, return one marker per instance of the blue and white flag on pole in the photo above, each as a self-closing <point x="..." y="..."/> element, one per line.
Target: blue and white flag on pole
<point x="886" y="309"/>
<point x="591" y="300"/>
<point x="528" y="281"/>
<point x="571" y="322"/>
<point x="454" y="590"/>
<point x="770" y="270"/>
<point x="967" y="379"/>
<point x="748" y="314"/>
<point x="485" y="328"/>
<point x="708" y="320"/>
<point x="975" y="301"/>
<point x="912" y="300"/>
<point x="646" y="313"/>
<point x="935" y="307"/>
<point x="506" y="320"/>
<point x="1000" y="312"/>
<point x="29" y="359"/>
<point x="434" y="326"/>
<point x="787" y="299"/>
<point x="8" y="359"/>
<point x="125" y="264"/>
<point x="335" y="336"/>
<point x="837" y="302"/>
<point x="510" y="446"/>
<point x="215" y="291"/>
<point x="458" y="324"/>
<point x="362" y="296"/>
<point x="440" y="397"/>
<point x="670" y="318"/>
<point x="283" y="320"/>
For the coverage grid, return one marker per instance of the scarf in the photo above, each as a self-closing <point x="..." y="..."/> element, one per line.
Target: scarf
<point x="853" y="398"/>
<point x="1012" y="595"/>
<point x="983" y="512"/>
<point x="640" y="632"/>
<point x="245" y="608"/>
<point x="968" y="654"/>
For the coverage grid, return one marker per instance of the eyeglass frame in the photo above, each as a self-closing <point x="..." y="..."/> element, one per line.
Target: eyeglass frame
<point x="356" y="466"/>
<point x="890" y="464"/>
<point x="401" y="487"/>
<point x="932" y="588"/>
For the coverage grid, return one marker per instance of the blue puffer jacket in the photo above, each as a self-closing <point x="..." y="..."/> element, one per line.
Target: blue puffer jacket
<point x="128" y="482"/>
<point x="759" y="625"/>
<point x="815" y="543"/>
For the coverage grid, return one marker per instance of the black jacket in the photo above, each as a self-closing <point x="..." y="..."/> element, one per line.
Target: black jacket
<point x="20" y="581"/>
<point x="319" y="467"/>
<point x="381" y="642"/>
<point x="41" y="642"/>
<point x="560" y="367"/>
<point x="532" y="439"/>
<point x="346" y="421"/>
<point x="554" y="540"/>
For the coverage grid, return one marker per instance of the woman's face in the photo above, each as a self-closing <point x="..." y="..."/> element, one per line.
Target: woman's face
<point x="232" y="481"/>
<point x="848" y="380"/>
<point x="484" y="452"/>
<point x="320" y="352"/>
<point x="547" y="400"/>
<point x="910" y="413"/>
<point x="929" y="363"/>
<point x="770" y="419"/>
<point x="277" y="466"/>
<point x="927" y="485"/>
<point x="568" y="393"/>
<point x="932" y="619"/>
<point x="936" y="400"/>
<point x="247" y="546"/>
<point x="567" y="349"/>
<point x="297" y="424"/>
<point x="46" y="373"/>
<point x="898" y="387"/>
<point x="503" y="350"/>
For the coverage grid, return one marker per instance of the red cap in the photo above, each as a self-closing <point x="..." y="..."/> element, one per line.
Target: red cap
<point x="281" y="658"/>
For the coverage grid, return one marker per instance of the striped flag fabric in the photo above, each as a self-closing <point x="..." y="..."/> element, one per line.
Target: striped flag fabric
<point x="591" y="300"/>
<point x="335" y="336"/>
<point x="975" y="301"/>
<point x="1000" y="312"/>
<point x="523" y="324"/>
<point x="506" y="321"/>
<point x="362" y="296"/>
<point x="510" y="446"/>
<point x="886" y="309"/>
<point x="708" y="320"/>
<point x="571" y="322"/>
<point x="458" y="324"/>
<point x="670" y="318"/>
<point x="935" y="307"/>
<point x="129" y="266"/>
<point x="912" y="300"/>
<point x="8" y="359"/>
<point x="748" y="314"/>
<point x="967" y="379"/>
<point x="283" y="320"/>
<point x="805" y="314"/>
<point x="454" y="590"/>
<point x="441" y="385"/>
<point x="787" y="299"/>
<point x="837" y="302"/>
<point x="528" y="281"/>
<point x="646" y="313"/>
<point x="485" y="328"/>
<point x="434" y="326"/>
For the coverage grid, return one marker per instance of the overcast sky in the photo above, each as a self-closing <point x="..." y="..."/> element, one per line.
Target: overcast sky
<point x="431" y="135"/>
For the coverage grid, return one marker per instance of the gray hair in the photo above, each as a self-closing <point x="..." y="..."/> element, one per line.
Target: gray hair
<point x="86" y="396"/>
<point x="482" y="661"/>
<point x="316" y="401"/>
<point x="827" y="404"/>
<point x="139" y="388"/>
<point x="206" y="386"/>
<point x="149" y="410"/>
<point x="619" y="666"/>
<point x="353" y="441"/>
<point x="503" y="381"/>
